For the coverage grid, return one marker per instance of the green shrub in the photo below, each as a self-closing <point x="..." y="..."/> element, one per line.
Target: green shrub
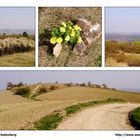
<point x="72" y="109"/>
<point x="42" y="90"/>
<point x="134" y="117"/>
<point x="53" y="87"/>
<point x="23" y="91"/>
<point x="49" y="122"/>
<point x="25" y="34"/>
<point x="83" y="84"/>
<point x="69" y="84"/>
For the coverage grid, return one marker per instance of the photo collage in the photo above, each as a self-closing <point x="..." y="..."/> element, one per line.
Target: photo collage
<point x="69" y="68"/>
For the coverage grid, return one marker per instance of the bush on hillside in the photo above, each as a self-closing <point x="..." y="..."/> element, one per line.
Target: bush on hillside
<point x="11" y="85"/>
<point x="83" y="84"/>
<point x="53" y="87"/>
<point x="134" y="117"/>
<point x="42" y="90"/>
<point x="25" y="34"/>
<point x="69" y="84"/>
<point x="23" y="91"/>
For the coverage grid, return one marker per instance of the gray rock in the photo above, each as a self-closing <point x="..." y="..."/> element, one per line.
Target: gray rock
<point x="91" y="32"/>
<point x="79" y="49"/>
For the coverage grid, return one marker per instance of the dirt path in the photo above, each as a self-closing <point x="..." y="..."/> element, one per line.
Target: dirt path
<point x="104" y="117"/>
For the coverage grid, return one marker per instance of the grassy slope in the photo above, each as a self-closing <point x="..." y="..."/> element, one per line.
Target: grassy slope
<point x="7" y="97"/>
<point x="49" y="17"/>
<point x="19" y="115"/>
<point x="26" y="59"/>
<point x="85" y="93"/>
<point x="22" y="115"/>
<point x="36" y="87"/>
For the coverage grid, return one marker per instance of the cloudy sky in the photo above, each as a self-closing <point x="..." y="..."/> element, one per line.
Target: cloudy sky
<point x="116" y="79"/>
<point x="122" y="20"/>
<point x="17" y="18"/>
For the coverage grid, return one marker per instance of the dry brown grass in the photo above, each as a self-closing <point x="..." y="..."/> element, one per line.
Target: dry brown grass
<point x="86" y="93"/>
<point x="8" y="97"/>
<point x="110" y="62"/>
<point x="20" y="113"/>
<point x="125" y="59"/>
<point x="132" y="59"/>
<point x="122" y="53"/>
<point x="35" y="88"/>
<point x="26" y="59"/>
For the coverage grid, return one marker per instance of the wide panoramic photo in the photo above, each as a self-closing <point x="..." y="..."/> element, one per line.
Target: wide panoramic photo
<point x="65" y="100"/>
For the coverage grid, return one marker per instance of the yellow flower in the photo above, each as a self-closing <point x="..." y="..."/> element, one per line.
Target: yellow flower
<point x="63" y="24"/>
<point x="59" y="40"/>
<point x="62" y="29"/>
<point x="79" y="40"/>
<point x="70" y="27"/>
<point x="72" y="33"/>
<point x="53" y="40"/>
<point x="76" y="27"/>
<point x="67" y="38"/>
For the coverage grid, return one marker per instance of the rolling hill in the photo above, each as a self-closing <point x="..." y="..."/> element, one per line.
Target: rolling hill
<point x="17" y="112"/>
<point x="87" y="93"/>
<point x="8" y="97"/>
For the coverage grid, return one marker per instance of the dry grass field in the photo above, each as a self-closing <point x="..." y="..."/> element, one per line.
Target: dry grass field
<point x="17" y="112"/>
<point x="8" y="97"/>
<point x="50" y="17"/>
<point x="86" y="93"/>
<point x="17" y="51"/>
<point x="26" y="59"/>
<point x="125" y="54"/>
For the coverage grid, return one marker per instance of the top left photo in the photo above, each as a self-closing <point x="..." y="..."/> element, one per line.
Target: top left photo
<point x="17" y="37"/>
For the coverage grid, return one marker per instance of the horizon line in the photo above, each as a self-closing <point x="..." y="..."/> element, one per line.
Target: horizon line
<point x="121" y="33"/>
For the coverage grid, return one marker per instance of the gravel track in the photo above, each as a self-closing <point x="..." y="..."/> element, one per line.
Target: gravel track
<point x="104" y="117"/>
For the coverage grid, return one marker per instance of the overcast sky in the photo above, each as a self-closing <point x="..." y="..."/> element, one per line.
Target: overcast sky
<point x="116" y="79"/>
<point x="17" y="18"/>
<point x="122" y="20"/>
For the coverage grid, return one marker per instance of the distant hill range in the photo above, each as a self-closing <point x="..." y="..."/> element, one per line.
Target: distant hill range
<point x="123" y="37"/>
<point x="137" y="90"/>
<point x="19" y="31"/>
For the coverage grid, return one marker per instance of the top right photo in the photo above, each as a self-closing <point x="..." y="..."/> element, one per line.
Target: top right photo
<point x="122" y="37"/>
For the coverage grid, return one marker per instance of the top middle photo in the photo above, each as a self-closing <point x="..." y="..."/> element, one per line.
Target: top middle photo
<point x="70" y="37"/>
